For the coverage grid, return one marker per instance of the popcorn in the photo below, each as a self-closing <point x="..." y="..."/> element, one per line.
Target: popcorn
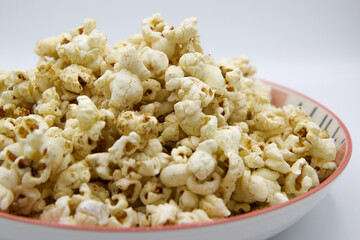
<point x="277" y="198"/>
<point x="6" y="198"/>
<point x="155" y="60"/>
<point x="175" y="175"/>
<point x="183" y="33"/>
<point x="167" y="39"/>
<point x="170" y="129"/>
<point x="195" y="216"/>
<point x="7" y="127"/>
<point x="123" y="87"/>
<point x="99" y="163"/>
<point x="8" y="178"/>
<point x="191" y="46"/>
<point x="204" y="187"/>
<point x="126" y="218"/>
<point x="274" y="159"/>
<point x="154" y="193"/>
<point x="242" y="62"/>
<point x="301" y="178"/>
<point x="268" y="121"/>
<point x="321" y="147"/>
<point x="84" y="131"/>
<point x="173" y="72"/>
<point x="259" y="185"/>
<point x="74" y="80"/>
<point x="189" y="88"/>
<point x="188" y="201"/>
<point x="151" y="29"/>
<point x="163" y="213"/>
<point x="90" y="212"/>
<point x="125" y="146"/>
<point x="58" y="211"/>
<point x="95" y="191"/>
<point x="84" y="49"/>
<point x="5" y="141"/>
<point x="201" y="162"/>
<point x="47" y="46"/>
<point x="150" y="132"/>
<point x="238" y="208"/>
<point x="254" y="160"/>
<point x="214" y="206"/>
<point x="71" y="179"/>
<point x="190" y="117"/>
<point x="120" y="204"/>
<point x="130" y="185"/>
<point x="145" y="125"/>
<point x="131" y="61"/>
<point x="26" y="200"/>
<point x="151" y="88"/>
<point x="49" y="106"/>
<point x="195" y="64"/>
<point x="181" y="154"/>
<point x="19" y="91"/>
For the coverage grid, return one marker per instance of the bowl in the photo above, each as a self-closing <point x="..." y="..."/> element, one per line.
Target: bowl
<point x="259" y="224"/>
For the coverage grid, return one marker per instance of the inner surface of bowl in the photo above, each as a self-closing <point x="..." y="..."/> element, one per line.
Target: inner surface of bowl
<point x="280" y="97"/>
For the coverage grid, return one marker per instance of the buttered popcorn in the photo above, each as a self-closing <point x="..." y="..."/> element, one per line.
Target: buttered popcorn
<point x="149" y="132"/>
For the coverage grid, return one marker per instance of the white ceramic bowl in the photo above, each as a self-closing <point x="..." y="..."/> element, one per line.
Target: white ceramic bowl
<point x="258" y="224"/>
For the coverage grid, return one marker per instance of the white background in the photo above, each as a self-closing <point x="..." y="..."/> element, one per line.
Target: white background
<point x="310" y="46"/>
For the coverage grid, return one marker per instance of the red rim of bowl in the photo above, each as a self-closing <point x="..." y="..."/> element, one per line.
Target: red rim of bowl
<point x="333" y="176"/>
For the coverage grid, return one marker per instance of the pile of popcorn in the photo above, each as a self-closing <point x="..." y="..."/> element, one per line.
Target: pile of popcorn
<point x="149" y="132"/>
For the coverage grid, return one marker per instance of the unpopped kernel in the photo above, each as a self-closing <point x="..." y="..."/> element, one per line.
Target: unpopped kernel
<point x="149" y="132"/>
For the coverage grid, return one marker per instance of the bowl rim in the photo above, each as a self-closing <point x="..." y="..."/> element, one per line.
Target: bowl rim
<point x="333" y="176"/>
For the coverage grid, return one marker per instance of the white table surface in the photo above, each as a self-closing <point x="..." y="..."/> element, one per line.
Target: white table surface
<point x="310" y="46"/>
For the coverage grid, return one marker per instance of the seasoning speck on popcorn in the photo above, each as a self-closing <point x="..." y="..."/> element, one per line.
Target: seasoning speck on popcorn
<point x="149" y="132"/>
